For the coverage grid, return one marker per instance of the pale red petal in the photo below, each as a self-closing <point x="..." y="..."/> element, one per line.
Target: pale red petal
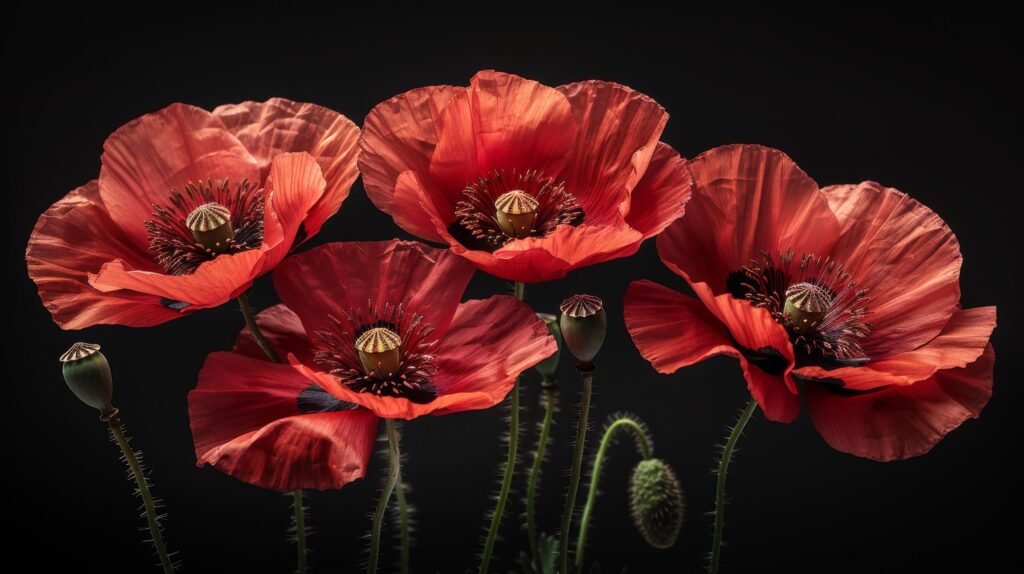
<point x="661" y="195"/>
<point x="294" y="187"/>
<point x="147" y="157"/>
<point x="338" y="277"/>
<point x="412" y="207"/>
<point x="246" y="422"/>
<point x="399" y="135"/>
<point x="502" y="121"/>
<point x="73" y="238"/>
<point x="905" y="256"/>
<point x="279" y="125"/>
<point x="283" y="330"/>
<point x="672" y="330"/>
<point x="959" y="344"/>
<point x="618" y="132"/>
<point x="746" y="199"/>
<point x="900" y="422"/>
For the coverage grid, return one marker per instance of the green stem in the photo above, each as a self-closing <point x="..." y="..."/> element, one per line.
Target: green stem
<point x="510" y="466"/>
<point x="394" y="475"/>
<point x="147" y="497"/>
<point x="549" y="387"/>
<point x="403" y="524"/>
<point x="723" y="469"/>
<point x="254" y="329"/>
<point x="577" y="463"/>
<point x="268" y="350"/>
<point x="300" y="531"/>
<point x="624" y="423"/>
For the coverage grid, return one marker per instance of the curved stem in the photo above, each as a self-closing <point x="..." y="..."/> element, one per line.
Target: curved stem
<point x="723" y="469"/>
<point x="510" y="466"/>
<point x="300" y="531"/>
<point x="394" y="475"/>
<point x="254" y="329"/>
<point x="147" y="497"/>
<point x="624" y="423"/>
<point x="403" y="525"/>
<point x="577" y="463"/>
<point x="538" y="461"/>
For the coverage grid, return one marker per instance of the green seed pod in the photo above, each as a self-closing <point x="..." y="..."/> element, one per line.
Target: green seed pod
<point x="549" y="366"/>
<point x="87" y="374"/>
<point x="584" y="323"/>
<point x="656" y="502"/>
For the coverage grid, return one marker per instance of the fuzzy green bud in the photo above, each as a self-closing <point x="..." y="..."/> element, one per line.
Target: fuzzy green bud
<point x="87" y="374"/>
<point x="584" y="324"/>
<point x="656" y="502"/>
<point x="549" y="366"/>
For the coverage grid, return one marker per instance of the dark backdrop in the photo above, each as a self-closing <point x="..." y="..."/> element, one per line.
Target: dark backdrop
<point x="928" y="105"/>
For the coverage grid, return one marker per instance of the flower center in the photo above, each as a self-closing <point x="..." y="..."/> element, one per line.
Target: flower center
<point x="815" y="299"/>
<point x="380" y="350"/>
<point x="203" y="221"/>
<point x="499" y="208"/>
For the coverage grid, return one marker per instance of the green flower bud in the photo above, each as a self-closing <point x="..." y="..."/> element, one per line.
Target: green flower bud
<point x="583" y="324"/>
<point x="656" y="502"/>
<point x="549" y="366"/>
<point x="87" y="374"/>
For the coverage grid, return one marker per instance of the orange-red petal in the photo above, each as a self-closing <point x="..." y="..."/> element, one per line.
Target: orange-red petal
<point x="281" y="328"/>
<point x="246" y="422"/>
<point x="278" y="125"/>
<point x="960" y="343"/>
<point x="76" y="237"/>
<point x="905" y="256"/>
<point x="147" y="157"/>
<point x="617" y="135"/>
<point x="746" y="199"/>
<point x="899" y="422"/>
<point x="661" y="195"/>
<point x="294" y="188"/>
<point x="504" y="122"/>
<point x="335" y="278"/>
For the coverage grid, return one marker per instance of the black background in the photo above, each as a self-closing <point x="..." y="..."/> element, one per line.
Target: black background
<point x="926" y="104"/>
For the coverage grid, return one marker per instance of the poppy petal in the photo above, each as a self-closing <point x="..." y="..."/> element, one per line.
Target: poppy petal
<point x="279" y="125"/>
<point x="281" y="328"/>
<point x="672" y="330"/>
<point x="898" y="422"/>
<point x="959" y="344"/>
<point x="246" y="422"/>
<point x="72" y="239"/>
<point x="151" y="155"/>
<point x="295" y="185"/>
<point x="399" y="135"/>
<point x="504" y="122"/>
<point x="661" y="195"/>
<point x="618" y="132"/>
<point x="335" y="278"/>
<point x="905" y="256"/>
<point x="747" y="199"/>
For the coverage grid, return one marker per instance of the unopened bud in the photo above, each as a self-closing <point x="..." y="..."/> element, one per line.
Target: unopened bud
<point x="656" y="502"/>
<point x="584" y="323"/>
<point x="549" y="366"/>
<point x="87" y="373"/>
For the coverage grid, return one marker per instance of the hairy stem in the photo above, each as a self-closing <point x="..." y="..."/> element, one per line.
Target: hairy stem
<point x="510" y="466"/>
<point x="403" y="525"/>
<point x="549" y="390"/>
<point x="627" y="424"/>
<point x="577" y="463"/>
<point x="300" y="531"/>
<point x="723" y="470"/>
<point x="394" y="475"/>
<point x="254" y="329"/>
<point x="117" y="430"/>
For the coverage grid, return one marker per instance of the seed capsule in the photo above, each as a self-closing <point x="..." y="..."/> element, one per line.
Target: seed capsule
<point x="380" y="351"/>
<point x="516" y="212"/>
<point x="584" y="324"/>
<point x="806" y="304"/>
<point x="548" y="367"/>
<point x="210" y="224"/>
<point x="87" y="374"/>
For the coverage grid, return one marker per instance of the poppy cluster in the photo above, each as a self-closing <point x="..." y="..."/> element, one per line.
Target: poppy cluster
<point x="846" y="295"/>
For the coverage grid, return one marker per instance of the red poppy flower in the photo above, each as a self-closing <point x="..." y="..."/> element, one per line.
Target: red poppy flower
<point x="392" y="336"/>
<point x="852" y="290"/>
<point x="189" y="208"/>
<point x="526" y="181"/>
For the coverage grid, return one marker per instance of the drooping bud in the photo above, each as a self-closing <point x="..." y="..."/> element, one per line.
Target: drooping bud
<point x="210" y="224"/>
<point x="516" y="212"/>
<point x="584" y="323"/>
<point x="806" y="304"/>
<point x="380" y="351"/>
<point x="656" y="502"/>
<point x="87" y="374"/>
<point x="549" y="366"/>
